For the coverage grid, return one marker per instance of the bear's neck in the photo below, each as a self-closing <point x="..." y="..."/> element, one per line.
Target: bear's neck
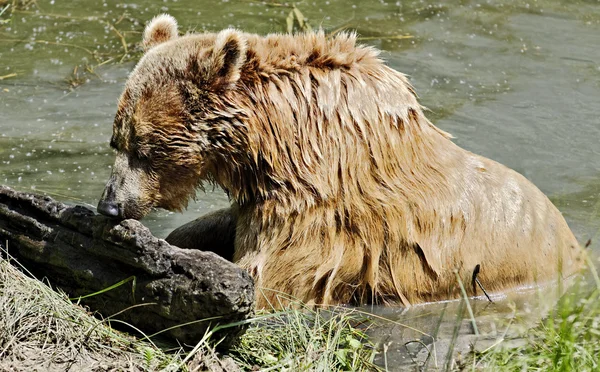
<point x="293" y="171"/>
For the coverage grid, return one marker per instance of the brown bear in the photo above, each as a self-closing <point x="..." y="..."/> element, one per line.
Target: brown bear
<point x="342" y="191"/>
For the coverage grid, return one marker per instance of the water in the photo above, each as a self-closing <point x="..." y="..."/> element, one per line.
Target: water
<point x="515" y="81"/>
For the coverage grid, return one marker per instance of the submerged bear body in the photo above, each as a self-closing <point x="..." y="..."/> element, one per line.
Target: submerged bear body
<point x="342" y="190"/>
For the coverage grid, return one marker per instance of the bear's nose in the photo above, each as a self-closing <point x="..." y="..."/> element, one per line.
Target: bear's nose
<point x="108" y="208"/>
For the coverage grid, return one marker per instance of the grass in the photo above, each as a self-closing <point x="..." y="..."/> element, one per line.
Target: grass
<point x="42" y="328"/>
<point x="568" y="339"/>
<point x="301" y="339"/>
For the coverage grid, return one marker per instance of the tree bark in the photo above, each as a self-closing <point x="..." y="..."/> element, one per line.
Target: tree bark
<point x="82" y="253"/>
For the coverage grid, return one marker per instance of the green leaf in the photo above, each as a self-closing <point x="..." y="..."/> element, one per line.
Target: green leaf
<point x="271" y="359"/>
<point x="354" y="343"/>
<point x="342" y="356"/>
<point x="299" y="16"/>
<point x="290" y="22"/>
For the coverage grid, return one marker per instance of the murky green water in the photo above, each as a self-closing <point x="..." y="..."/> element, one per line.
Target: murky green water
<point x="516" y="81"/>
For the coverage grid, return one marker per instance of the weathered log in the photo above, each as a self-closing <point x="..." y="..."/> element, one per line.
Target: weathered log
<point x="81" y="253"/>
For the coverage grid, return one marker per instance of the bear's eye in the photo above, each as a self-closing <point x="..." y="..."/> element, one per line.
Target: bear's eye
<point x="142" y="155"/>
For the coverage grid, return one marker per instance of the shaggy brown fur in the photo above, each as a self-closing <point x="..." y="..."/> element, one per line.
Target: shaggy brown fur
<point x="344" y="191"/>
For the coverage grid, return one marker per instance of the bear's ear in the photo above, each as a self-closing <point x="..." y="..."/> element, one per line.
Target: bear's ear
<point x="229" y="54"/>
<point x="160" y="29"/>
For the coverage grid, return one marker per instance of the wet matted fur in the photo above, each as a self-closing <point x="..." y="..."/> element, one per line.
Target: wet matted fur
<point x="342" y="190"/>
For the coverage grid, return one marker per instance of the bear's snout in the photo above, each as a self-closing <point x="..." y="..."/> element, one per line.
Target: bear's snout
<point x="108" y="208"/>
<point x="108" y="205"/>
<point x="129" y="193"/>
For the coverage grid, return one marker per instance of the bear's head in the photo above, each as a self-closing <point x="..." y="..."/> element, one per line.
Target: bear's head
<point x="174" y="115"/>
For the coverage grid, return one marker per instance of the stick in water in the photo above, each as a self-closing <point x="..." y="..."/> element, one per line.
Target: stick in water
<point x="476" y="281"/>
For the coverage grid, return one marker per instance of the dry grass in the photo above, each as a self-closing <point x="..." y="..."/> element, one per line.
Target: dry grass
<point x="41" y="330"/>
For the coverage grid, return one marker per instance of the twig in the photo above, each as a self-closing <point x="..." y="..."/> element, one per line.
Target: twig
<point x="8" y="76"/>
<point x="418" y="342"/>
<point x="475" y="280"/>
<point x="121" y="37"/>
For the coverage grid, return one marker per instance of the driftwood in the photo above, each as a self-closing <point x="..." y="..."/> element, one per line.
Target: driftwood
<point x="82" y="253"/>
